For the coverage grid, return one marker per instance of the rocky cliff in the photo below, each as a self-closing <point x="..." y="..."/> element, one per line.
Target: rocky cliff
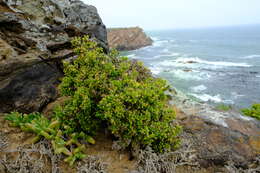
<point x="34" y="38"/>
<point x="128" y="38"/>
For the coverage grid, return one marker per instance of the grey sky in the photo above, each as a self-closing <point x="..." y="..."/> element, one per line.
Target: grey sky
<point x="165" y="14"/>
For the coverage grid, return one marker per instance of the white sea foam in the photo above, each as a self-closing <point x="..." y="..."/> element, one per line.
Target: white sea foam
<point x="165" y="50"/>
<point x="168" y="63"/>
<point x="193" y="41"/>
<point x="206" y="97"/>
<point x="189" y="76"/>
<point x="175" y="54"/>
<point x="193" y="60"/>
<point x="167" y="55"/>
<point x="131" y="56"/>
<point x="155" y="70"/>
<point x="236" y="95"/>
<point x="159" y="43"/>
<point x="146" y="48"/>
<point x="199" y="88"/>
<point x="251" y="56"/>
<point x="155" y="38"/>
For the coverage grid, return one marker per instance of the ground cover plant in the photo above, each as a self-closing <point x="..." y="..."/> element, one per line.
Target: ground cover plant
<point x="105" y="91"/>
<point x="223" y="107"/>
<point x="254" y="111"/>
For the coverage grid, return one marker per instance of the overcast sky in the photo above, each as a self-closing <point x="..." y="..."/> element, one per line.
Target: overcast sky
<point x="167" y="14"/>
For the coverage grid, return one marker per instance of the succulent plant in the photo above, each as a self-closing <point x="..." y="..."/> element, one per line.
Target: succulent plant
<point x="51" y="130"/>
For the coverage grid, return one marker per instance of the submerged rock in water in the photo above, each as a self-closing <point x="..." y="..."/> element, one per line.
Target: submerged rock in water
<point x="187" y="70"/>
<point x="128" y="38"/>
<point x="34" y="38"/>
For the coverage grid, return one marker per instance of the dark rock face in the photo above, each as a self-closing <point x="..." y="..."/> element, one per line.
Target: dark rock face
<point x="32" y="89"/>
<point x="34" y="39"/>
<point x="128" y="38"/>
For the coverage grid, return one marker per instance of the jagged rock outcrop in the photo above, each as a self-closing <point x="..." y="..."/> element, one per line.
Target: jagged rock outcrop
<point x="34" y="38"/>
<point x="128" y="38"/>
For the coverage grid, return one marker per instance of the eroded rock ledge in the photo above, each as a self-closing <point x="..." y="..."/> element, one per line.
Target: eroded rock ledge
<point x="34" y="38"/>
<point x="128" y="38"/>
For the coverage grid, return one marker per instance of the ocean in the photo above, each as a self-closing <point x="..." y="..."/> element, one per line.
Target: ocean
<point x="213" y="65"/>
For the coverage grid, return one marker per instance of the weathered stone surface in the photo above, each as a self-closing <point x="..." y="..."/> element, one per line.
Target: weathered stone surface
<point x="31" y="89"/>
<point x="218" y="137"/>
<point x="223" y="139"/>
<point x="128" y="38"/>
<point x="34" y="39"/>
<point x="6" y="51"/>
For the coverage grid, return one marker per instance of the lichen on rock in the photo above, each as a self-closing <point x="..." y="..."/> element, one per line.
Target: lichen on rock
<point x="34" y="38"/>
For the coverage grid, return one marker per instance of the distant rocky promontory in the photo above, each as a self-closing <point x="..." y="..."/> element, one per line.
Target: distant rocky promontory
<point x="128" y="38"/>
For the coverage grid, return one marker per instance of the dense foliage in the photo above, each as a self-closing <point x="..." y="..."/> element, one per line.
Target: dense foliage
<point x="254" y="111"/>
<point x="131" y="103"/>
<point x="106" y="91"/>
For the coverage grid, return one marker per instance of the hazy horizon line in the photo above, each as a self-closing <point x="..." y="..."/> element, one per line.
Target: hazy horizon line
<point x="183" y="28"/>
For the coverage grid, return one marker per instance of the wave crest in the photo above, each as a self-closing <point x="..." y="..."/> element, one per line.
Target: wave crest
<point x="251" y="56"/>
<point x="192" y="60"/>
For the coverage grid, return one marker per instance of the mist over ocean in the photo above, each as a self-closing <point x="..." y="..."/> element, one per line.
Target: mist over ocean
<point x="215" y="65"/>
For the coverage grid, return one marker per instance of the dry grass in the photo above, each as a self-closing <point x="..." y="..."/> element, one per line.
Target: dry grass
<point x="31" y="159"/>
<point x="150" y="162"/>
<point x="255" y="167"/>
<point x="91" y="165"/>
<point x="39" y="158"/>
<point x="3" y="142"/>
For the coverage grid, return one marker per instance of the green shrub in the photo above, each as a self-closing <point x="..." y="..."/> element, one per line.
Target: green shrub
<point x="254" y="111"/>
<point x="138" y="112"/>
<point x="121" y="93"/>
<point x="105" y="91"/>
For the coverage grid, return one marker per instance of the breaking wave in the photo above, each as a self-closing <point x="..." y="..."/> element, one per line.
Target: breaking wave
<point x="215" y="63"/>
<point x="207" y="98"/>
<point x="199" y="88"/>
<point x="251" y="56"/>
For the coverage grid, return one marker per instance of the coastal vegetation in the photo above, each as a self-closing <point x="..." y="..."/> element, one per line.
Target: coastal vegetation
<point x="254" y="111"/>
<point x="105" y="91"/>
<point x="223" y="107"/>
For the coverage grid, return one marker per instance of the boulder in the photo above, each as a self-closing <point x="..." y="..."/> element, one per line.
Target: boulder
<point x="128" y="38"/>
<point x="34" y="39"/>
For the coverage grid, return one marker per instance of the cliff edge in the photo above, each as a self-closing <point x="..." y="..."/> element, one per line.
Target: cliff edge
<point x="128" y="38"/>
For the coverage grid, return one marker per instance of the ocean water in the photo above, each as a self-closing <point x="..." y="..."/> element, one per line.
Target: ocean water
<point x="213" y="65"/>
